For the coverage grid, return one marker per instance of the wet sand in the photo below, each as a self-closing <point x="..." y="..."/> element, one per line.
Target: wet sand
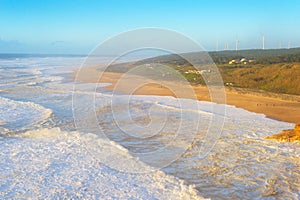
<point x="280" y="107"/>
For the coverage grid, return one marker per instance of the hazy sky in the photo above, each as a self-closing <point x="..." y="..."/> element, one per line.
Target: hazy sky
<point x="77" y="26"/>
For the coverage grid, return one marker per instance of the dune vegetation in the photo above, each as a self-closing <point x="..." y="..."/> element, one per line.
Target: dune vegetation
<point x="275" y="71"/>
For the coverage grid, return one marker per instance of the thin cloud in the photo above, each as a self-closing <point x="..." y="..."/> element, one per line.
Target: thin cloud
<point x="58" y="42"/>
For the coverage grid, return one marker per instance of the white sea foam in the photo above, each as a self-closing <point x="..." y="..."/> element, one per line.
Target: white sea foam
<point x="52" y="164"/>
<point x="17" y="114"/>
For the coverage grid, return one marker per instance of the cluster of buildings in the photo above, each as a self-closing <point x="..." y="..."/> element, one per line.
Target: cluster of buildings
<point x="241" y="61"/>
<point x="197" y="71"/>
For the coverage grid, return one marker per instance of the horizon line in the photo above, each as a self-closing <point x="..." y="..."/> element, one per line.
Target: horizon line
<point x="83" y="55"/>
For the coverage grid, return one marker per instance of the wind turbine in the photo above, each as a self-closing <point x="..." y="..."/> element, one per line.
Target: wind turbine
<point x="263" y="42"/>
<point x="237" y="44"/>
<point x="226" y="46"/>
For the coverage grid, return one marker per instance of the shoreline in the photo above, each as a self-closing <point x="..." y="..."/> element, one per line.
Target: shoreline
<point x="275" y="106"/>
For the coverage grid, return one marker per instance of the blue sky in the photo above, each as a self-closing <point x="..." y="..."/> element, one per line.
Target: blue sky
<point x="77" y="26"/>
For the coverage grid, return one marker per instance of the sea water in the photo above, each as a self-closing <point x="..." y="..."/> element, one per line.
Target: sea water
<point x="44" y="154"/>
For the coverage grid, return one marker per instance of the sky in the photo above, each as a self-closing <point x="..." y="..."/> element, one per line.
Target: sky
<point x="78" y="26"/>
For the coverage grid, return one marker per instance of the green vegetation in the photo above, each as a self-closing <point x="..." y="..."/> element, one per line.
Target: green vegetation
<point x="279" y="78"/>
<point x="272" y="70"/>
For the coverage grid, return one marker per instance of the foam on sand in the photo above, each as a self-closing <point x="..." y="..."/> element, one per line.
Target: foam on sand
<point x="51" y="164"/>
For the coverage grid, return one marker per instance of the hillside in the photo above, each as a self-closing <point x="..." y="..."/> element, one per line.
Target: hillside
<point x="271" y="70"/>
<point x="279" y="78"/>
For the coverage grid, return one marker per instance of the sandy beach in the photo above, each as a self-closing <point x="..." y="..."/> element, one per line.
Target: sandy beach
<point x="277" y="106"/>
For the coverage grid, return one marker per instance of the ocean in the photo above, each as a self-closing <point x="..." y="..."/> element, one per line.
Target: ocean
<point x="51" y="147"/>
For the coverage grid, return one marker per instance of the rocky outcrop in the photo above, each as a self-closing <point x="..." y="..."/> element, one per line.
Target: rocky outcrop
<point x="291" y="135"/>
<point x="297" y="127"/>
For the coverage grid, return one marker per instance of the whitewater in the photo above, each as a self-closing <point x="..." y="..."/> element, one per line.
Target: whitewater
<point x="44" y="155"/>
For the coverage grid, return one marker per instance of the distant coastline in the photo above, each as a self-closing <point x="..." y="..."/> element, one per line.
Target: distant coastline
<point x="272" y="105"/>
<point x="268" y="84"/>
